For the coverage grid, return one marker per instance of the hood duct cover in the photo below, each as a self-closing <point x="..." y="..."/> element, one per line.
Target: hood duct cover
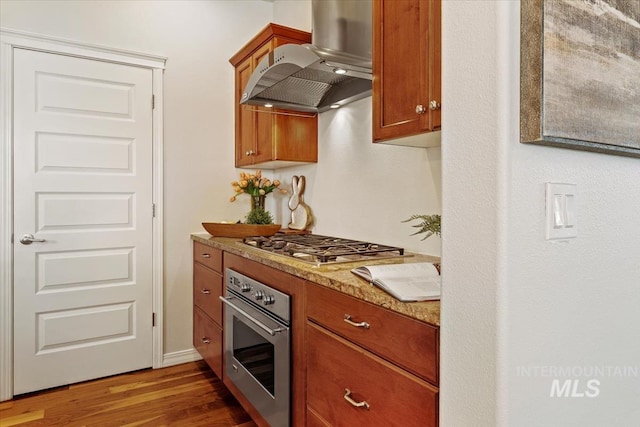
<point x="303" y="77"/>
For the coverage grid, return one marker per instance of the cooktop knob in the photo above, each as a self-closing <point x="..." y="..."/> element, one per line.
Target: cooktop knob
<point x="258" y="295"/>
<point x="269" y="300"/>
<point x="245" y="287"/>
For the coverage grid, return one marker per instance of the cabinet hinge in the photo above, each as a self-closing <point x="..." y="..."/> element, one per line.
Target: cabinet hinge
<point x="153" y="210"/>
<point x="153" y="102"/>
<point x="153" y="319"/>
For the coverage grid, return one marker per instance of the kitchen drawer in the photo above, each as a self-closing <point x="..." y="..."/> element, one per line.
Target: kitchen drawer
<point x="406" y="342"/>
<point x="207" y="339"/>
<point x="314" y="420"/>
<point x="207" y="289"/>
<point x="206" y="255"/>
<point x="395" y="397"/>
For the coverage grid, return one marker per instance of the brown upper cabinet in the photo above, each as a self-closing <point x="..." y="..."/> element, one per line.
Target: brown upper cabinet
<point x="406" y="68"/>
<point x="269" y="137"/>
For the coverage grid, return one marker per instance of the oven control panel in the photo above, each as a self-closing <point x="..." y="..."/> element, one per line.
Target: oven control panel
<point x="258" y="293"/>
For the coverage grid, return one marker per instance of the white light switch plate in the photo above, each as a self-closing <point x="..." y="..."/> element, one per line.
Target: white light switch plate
<point x="562" y="218"/>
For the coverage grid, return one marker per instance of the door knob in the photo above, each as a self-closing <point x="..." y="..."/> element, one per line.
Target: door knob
<point x="434" y="105"/>
<point x="420" y="109"/>
<point x="28" y="239"/>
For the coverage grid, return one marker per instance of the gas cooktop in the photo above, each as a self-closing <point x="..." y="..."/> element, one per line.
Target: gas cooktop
<point x="317" y="249"/>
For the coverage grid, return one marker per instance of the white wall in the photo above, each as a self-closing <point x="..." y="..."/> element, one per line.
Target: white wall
<point x="512" y="299"/>
<point x="293" y="13"/>
<point x="358" y="189"/>
<point x="363" y="190"/>
<point x="198" y="37"/>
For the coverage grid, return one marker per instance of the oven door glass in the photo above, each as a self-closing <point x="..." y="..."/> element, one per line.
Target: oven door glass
<point x="255" y="354"/>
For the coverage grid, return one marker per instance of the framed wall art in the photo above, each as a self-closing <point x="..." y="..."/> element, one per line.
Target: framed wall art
<point x="580" y="74"/>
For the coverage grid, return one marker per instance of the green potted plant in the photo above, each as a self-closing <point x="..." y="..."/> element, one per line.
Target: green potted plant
<point x="429" y="224"/>
<point x="257" y="187"/>
<point x="258" y="215"/>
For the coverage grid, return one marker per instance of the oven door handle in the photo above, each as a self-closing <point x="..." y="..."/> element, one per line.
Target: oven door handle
<point x="259" y="324"/>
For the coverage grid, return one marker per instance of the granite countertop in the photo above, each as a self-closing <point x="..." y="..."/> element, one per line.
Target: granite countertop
<point x="335" y="276"/>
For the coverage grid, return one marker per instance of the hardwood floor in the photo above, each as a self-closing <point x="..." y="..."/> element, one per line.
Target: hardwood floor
<point x="182" y="395"/>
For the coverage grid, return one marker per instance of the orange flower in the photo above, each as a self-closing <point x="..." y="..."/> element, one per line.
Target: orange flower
<point x="254" y="185"/>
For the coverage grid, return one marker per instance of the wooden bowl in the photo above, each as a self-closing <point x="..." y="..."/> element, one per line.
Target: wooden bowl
<point x="218" y="229"/>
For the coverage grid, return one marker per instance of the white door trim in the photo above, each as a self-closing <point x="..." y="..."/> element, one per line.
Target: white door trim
<point x="10" y="39"/>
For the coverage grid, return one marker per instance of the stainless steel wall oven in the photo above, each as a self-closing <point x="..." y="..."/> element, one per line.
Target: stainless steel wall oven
<point x="257" y="345"/>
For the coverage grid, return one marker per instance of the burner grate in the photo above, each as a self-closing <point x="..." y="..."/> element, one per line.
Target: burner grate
<point x="322" y="249"/>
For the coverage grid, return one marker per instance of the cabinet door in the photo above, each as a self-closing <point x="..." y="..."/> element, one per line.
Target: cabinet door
<point x="254" y="129"/>
<point x="435" y="61"/>
<point x="263" y="117"/>
<point x="208" y="256"/>
<point x="245" y="117"/>
<point x="207" y="339"/>
<point x="406" y="67"/>
<point x="330" y="308"/>
<point x="207" y="289"/>
<point x="338" y="371"/>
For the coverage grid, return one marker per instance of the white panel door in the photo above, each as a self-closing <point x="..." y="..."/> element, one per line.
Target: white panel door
<point x="83" y="184"/>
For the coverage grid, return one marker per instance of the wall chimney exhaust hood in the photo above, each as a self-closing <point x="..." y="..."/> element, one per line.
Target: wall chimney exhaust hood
<point x="332" y="71"/>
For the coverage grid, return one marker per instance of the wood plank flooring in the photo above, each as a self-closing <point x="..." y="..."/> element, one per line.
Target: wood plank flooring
<point x="184" y="395"/>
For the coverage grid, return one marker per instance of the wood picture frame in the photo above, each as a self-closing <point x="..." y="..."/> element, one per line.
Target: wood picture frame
<point x="580" y="75"/>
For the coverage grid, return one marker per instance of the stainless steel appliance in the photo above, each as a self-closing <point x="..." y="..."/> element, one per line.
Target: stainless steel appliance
<point x="332" y="71"/>
<point x="257" y="345"/>
<point x="318" y="249"/>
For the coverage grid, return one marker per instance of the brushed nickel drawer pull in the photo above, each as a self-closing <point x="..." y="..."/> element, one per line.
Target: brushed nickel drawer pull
<point x="205" y="340"/>
<point x="347" y="397"/>
<point x="206" y="291"/>
<point x="206" y="255"/>
<point x="347" y="318"/>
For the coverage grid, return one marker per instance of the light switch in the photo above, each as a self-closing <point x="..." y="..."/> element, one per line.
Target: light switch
<point x="561" y="212"/>
<point x="558" y="211"/>
<point x="570" y="210"/>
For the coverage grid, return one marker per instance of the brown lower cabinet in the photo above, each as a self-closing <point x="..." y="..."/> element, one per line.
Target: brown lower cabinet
<point x="207" y="339"/>
<point x="207" y="307"/>
<point x="392" y="365"/>
<point x="381" y="374"/>
<point x="349" y="386"/>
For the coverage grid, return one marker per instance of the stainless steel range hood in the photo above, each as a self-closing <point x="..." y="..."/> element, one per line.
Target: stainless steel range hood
<point x="306" y="77"/>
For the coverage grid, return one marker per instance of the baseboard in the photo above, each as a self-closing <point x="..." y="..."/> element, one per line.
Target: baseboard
<point x="179" y="357"/>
